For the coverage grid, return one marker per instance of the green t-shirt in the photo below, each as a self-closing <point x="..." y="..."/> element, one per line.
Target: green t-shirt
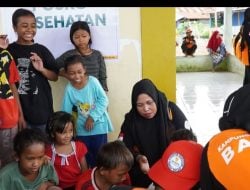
<point x="11" y="178"/>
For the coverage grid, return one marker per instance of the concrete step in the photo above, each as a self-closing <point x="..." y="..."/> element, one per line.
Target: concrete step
<point x="198" y="63"/>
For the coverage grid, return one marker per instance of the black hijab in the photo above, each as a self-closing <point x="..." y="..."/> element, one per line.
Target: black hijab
<point x="158" y="125"/>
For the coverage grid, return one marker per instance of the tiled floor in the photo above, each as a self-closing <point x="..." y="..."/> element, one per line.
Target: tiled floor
<point x="201" y="96"/>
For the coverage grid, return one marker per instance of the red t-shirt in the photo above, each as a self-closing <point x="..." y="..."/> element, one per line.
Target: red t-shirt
<point x="67" y="166"/>
<point x="87" y="182"/>
<point x="8" y="76"/>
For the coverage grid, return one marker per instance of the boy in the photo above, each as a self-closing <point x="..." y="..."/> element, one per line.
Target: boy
<point x="114" y="160"/>
<point x="10" y="108"/>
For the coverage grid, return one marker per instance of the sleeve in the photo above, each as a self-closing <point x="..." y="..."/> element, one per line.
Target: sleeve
<point x="61" y="59"/>
<point x="193" y="39"/>
<point x="66" y="102"/>
<point x="101" y="100"/>
<point x="49" y="61"/>
<point x="102" y="72"/>
<point x="48" y="151"/>
<point x="52" y="175"/>
<point x="128" y="136"/>
<point x="81" y="149"/>
<point x="207" y="180"/>
<point x="5" y="181"/>
<point x="179" y="119"/>
<point x="14" y="75"/>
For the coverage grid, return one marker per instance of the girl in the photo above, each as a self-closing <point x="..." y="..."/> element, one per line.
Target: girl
<point x="80" y="37"/>
<point x="36" y="66"/>
<point x="67" y="155"/>
<point x="29" y="171"/>
<point x="86" y="93"/>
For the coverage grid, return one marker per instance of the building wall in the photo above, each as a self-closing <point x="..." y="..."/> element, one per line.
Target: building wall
<point x="147" y="50"/>
<point x="158" y="48"/>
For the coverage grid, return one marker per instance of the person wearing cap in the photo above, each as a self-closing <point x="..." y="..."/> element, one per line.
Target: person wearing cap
<point x="225" y="159"/>
<point x="11" y="114"/>
<point x="216" y="49"/>
<point x="179" y="167"/>
<point x="188" y="44"/>
<point x="147" y="128"/>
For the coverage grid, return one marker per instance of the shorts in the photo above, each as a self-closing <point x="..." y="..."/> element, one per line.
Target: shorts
<point x="6" y="145"/>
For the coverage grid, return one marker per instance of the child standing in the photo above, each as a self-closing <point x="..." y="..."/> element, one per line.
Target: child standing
<point x="114" y="160"/>
<point x="11" y="115"/>
<point x="80" y="37"/>
<point x="29" y="171"/>
<point x="86" y="93"/>
<point x="67" y="155"/>
<point x="36" y="66"/>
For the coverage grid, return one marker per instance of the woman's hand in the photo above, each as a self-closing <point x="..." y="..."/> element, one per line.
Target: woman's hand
<point x="4" y="41"/>
<point x="143" y="163"/>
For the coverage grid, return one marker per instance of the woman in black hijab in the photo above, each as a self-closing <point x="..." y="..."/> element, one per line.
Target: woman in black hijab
<point x="147" y="128"/>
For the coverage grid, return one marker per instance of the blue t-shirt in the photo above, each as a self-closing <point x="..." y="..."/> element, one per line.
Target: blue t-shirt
<point x="92" y="101"/>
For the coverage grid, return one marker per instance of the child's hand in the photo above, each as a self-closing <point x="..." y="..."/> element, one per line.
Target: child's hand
<point x="4" y="41"/>
<point x="54" y="188"/>
<point x="36" y="62"/>
<point x="89" y="124"/>
<point x="143" y="162"/>
<point x="47" y="185"/>
<point x="46" y="159"/>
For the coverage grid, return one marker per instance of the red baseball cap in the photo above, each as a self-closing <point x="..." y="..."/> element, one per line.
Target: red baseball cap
<point x="179" y="167"/>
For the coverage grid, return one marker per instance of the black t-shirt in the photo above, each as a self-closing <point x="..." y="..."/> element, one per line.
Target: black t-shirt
<point x="34" y="89"/>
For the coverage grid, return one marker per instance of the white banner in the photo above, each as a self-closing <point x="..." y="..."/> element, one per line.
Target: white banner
<point x="53" y="25"/>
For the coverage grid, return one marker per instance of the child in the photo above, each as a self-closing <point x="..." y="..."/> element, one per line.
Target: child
<point x="67" y="155"/>
<point x="36" y="66"/>
<point x="180" y="134"/>
<point x="183" y="134"/>
<point x="29" y="171"/>
<point x="80" y="37"/>
<point x="113" y="162"/>
<point x="11" y="115"/>
<point x="86" y="93"/>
